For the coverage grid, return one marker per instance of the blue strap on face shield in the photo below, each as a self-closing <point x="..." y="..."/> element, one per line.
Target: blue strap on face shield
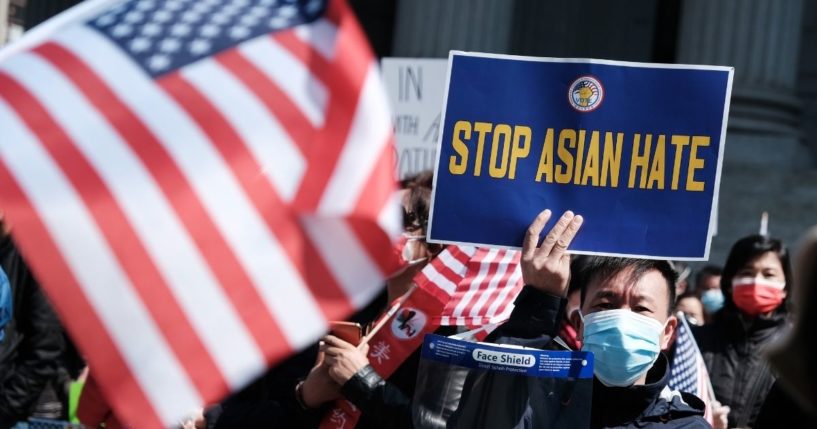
<point x="5" y="303"/>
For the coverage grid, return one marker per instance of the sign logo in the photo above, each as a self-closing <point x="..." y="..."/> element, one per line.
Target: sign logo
<point x="585" y="94"/>
<point x="408" y="323"/>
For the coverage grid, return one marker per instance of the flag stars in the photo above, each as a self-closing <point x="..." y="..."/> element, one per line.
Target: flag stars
<point x="105" y="20"/>
<point x="180" y="30"/>
<point x="202" y="7"/>
<point x="122" y="30"/>
<point x="278" y="22"/>
<point x="140" y="44"/>
<point x="288" y="11"/>
<point x="239" y="32"/>
<point x="159" y="62"/>
<point x="152" y="29"/>
<point x="191" y="16"/>
<point x="259" y="11"/>
<point x="249" y="20"/>
<point x="200" y="46"/>
<point x="220" y="18"/>
<point x="170" y="45"/>
<point x="162" y="16"/>
<point x="267" y="2"/>
<point x="313" y="7"/>
<point x="173" y="6"/>
<point x="134" y="17"/>
<point x="210" y="30"/>
<point x="145" y="5"/>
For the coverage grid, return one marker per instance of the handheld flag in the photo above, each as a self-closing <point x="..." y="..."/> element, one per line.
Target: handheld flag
<point x="199" y="185"/>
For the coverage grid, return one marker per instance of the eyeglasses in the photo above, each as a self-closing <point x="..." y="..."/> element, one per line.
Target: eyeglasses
<point x="412" y="222"/>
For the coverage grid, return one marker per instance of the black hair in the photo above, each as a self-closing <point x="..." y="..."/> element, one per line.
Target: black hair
<point x="577" y="262"/>
<point x="419" y="199"/>
<point x="706" y="271"/>
<point x="744" y="251"/>
<point x="415" y="218"/>
<point x="602" y="267"/>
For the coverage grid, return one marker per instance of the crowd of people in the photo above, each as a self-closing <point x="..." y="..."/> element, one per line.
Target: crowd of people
<point x="626" y="311"/>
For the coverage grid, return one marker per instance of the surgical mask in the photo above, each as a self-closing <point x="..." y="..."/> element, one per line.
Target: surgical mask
<point x="625" y="345"/>
<point x="756" y="296"/>
<point x="712" y="300"/>
<point x="405" y="254"/>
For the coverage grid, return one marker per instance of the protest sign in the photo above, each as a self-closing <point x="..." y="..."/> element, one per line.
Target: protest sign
<point x="635" y="148"/>
<point x="415" y="88"/>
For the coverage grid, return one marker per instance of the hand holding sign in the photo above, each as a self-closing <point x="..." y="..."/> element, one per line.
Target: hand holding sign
<point x="547" y="267"/>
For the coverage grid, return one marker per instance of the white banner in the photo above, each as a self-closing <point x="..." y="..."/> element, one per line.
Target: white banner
<point x="415" y="87"/>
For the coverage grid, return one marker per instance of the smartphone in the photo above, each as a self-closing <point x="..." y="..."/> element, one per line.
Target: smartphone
<point x="350" y="332"/>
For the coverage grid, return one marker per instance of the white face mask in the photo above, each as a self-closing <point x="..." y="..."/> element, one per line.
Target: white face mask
<point x="406" y="253"/>
<point x="409" y="252"/>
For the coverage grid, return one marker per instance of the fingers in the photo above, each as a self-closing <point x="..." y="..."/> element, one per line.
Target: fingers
<point x="532" y="235"/>
<point x="334" y="341"/>
<point x="555" y="234"/>
<point x="567" y="236"/>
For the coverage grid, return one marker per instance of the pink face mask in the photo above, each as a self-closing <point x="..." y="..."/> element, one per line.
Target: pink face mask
<point x="756" y="296"/>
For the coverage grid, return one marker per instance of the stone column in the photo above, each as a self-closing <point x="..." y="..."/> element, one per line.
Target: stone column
<point x="761" y="39"/>
<point x="430" y="28"/>
<point x="766" y="164"/>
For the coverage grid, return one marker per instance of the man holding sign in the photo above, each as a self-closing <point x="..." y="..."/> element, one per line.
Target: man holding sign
<point x="626" y="306"/>
<point x="637" y="150"/>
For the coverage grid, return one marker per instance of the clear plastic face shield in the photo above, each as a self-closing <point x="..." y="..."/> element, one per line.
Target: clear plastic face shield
<point x="463" y="384"/>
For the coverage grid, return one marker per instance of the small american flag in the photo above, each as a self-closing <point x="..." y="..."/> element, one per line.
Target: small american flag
<point x="688" y="371"/>
<point x="199" y="185"/>
<point x="480" y="284"/>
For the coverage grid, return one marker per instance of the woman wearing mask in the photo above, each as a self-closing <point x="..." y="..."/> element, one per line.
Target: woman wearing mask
<point x="382" y="402"/>
<point x="755" y="283"/>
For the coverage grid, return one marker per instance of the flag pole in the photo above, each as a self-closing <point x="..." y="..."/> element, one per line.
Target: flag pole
<point x="764" y="224"/>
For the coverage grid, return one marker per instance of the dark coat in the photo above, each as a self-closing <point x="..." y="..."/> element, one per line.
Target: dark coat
<point x="733" y="349"/>
<point x="534" y="323"/>
<point x="30" y="354"/>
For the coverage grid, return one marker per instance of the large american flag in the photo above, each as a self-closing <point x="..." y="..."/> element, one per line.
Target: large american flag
<point x="199" y="185"/>
<point x="479" y="284"/>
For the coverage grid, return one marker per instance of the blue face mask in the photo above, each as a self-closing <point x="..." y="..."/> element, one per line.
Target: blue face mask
<point x="625" y="345"/>
<point x="712" y="300"/>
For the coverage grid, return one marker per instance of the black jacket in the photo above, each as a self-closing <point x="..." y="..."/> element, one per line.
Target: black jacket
<point x="733" y="348"/>
<point x="534" y="323"/>
<point x="386" y="403"/>
<point x="34" y="343"/>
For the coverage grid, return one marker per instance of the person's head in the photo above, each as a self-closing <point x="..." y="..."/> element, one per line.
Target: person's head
<point x="708" y="288"/>
<point x="691" y="306"/>
<point x="707" y="278"/>
<point x="413" y="250"/>
<point x="757" y="276"/>
<point x="627" y="315"/>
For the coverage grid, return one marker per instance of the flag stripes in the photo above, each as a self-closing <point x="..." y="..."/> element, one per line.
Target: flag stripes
<point x="207" y="221"/>
<point x="479" y="284"/>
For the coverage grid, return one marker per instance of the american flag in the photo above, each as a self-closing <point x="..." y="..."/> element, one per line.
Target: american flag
<point x="199" y="185"/>
<point x="480" y="284"/>
<point x="688" y="371"/>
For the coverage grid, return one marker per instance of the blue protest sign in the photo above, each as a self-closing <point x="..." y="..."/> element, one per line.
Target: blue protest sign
<point x="508" y="359"/>
<point x="635" y="148"/>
